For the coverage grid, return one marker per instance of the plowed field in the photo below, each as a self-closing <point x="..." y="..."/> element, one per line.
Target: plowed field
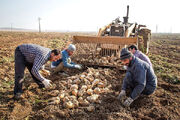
<point x="164" y="104"/>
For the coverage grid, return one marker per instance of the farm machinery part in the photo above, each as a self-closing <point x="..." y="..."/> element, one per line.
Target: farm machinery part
<point x="104" y="49"/>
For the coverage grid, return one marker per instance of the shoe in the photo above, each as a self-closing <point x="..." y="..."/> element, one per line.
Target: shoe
<point x="18" y="96"/>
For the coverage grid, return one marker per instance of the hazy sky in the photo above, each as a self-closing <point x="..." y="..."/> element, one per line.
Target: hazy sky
<point x="89" y="15"/>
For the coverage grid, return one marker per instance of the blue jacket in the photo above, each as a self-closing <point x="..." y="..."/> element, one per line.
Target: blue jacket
<point x="64" y="59"/>
<point x="141" y="74"/>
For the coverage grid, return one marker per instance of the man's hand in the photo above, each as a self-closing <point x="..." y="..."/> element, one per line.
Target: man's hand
<point x="46" y="83"/>
<point x="78" y="66"/>
<point x="128" y="102"/>
<point x="122" y="94"/>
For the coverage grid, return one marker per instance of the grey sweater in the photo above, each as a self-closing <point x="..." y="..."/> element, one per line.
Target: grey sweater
<point x="142" y="56"/>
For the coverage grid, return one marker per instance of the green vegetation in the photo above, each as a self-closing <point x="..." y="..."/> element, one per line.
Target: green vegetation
<point x="165" y="58"/>
<point x="6" y="59"/>
<point x="55" y="43"/>
<point x="36" y="101"/>
<point x="170" y="78"/>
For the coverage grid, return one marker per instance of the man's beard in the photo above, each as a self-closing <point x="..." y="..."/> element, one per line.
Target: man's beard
<point x="128" y="64"/>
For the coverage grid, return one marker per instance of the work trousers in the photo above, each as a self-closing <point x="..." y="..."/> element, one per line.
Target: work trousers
<point x="61" y="67"/>
<point x="20" y="65"/>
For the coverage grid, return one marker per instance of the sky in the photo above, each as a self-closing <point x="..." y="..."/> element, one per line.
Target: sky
<point x="89" y="15"/>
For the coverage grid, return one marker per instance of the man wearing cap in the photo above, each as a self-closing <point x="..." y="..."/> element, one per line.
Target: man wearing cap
<point x="139" y="78"/>
<point x="33" y="57"/>
<point x="134" y="50"/>
<point x="65" y="61"/>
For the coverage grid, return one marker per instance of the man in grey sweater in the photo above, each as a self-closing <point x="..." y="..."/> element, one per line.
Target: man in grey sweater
<point x="140" y="77"/>
<point x="134" y="50"/>
<point x="33" y="57"/>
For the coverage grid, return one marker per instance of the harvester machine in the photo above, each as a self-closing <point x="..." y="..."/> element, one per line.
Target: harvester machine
<point x="104" y="49"/>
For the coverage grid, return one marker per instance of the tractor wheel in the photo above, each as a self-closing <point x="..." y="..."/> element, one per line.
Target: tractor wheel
<point x="144" y="40"/>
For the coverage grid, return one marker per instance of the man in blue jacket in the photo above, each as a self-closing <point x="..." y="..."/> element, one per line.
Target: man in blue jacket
<point x="140" y="77"/>
<point x="65" y="61"/>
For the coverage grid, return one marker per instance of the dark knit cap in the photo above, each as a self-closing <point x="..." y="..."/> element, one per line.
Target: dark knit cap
<point x="125" y="53"/>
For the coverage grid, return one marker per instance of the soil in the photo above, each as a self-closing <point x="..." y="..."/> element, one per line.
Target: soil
<point x="164" y="104"/>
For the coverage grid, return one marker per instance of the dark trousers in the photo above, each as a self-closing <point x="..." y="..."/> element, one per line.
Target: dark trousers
<point x="20" y="65"/>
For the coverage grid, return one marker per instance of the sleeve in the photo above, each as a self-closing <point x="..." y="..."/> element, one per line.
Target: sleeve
<point x="56" y="63"/>
<point x="38" y="63"/>
<point x="125" y="81"/>
<point x="65" y="61"/>
<point x="52" y="66"/>
<point x="140" y="79"/>
<point x="72" y="63"/>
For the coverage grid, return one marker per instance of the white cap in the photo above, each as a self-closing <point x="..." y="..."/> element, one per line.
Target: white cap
<point x="72" y="47"/>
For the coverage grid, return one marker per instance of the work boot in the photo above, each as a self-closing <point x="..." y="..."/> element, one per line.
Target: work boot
<point x="55" y="70"/>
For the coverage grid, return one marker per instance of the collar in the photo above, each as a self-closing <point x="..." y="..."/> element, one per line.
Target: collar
<point x="132" y="61"/>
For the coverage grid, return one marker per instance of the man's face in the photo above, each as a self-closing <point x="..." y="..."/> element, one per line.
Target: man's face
<point x="70" y="53"/>
<point x="55" y="57"/>
<point x="132" y="50"/>
<point x="126" y="61"/>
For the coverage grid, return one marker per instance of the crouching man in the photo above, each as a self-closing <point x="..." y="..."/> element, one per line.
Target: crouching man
<point x="33" y="57"/>
<point x="140" y="78"/>
<point x="65" y="61"/>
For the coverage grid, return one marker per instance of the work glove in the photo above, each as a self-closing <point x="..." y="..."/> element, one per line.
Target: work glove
<point x="77" y="66"/>
<point x="46" y="83"/>
<point x="42" y="67"/>
<point x="69" y="60"/>
<point x="125" y="67"/>
<point x="122" y="95"/>
<point x="128" y="102"/>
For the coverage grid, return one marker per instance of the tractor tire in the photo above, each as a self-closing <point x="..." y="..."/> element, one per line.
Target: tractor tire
<point x="144" y="37"/>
